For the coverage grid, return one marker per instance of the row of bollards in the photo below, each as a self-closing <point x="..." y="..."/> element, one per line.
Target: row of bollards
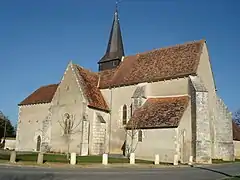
<point x="73" y="159"/>
<point x="13" y="156"/>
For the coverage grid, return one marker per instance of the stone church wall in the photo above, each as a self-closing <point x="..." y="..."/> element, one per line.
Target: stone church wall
<point x="117" y="97"/>
<point x="223" y="141"/>
<point x="68" y="99"/>
<point x="201" y="122"/>
<point x="30" y="126"/>
<point x="168" y="88"/>
<point x="236" y="149"/>
<point x="203" y="129"/>
<point x="98" y="132"/>
<point x="184" y="136"/>
<point x="164" y="144"/>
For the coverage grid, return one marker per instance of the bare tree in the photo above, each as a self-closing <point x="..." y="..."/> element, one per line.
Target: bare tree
<point x="70" y="127"/>
<point x="133" y="136"/>
<point x="236" y="117"/>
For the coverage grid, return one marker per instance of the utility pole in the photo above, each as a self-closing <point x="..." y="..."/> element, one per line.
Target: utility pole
<point x="5" y="128"/>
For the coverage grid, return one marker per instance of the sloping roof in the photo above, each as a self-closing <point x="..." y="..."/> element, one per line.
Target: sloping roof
<point x="165" y="63"/>
<point x="89" y="81"/>
<point x="236" y="131"/>
<point x="42" y="95"/>
<point x="159" y="113"/>
<point x="106" y="77"/>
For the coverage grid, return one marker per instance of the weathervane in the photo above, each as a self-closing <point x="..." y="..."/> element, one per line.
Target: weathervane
<point x="117" y="2"/>
<point x="116" y="7"/>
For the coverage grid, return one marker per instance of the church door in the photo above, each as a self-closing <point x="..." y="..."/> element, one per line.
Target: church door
<point x="38" y="143"/>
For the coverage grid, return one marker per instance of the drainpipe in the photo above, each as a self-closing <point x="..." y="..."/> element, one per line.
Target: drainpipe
<point x="82" y="123"/>
<point x="110" y="122"/>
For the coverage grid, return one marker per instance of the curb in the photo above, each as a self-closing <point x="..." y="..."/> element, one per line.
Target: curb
<point x="97" y="166"/>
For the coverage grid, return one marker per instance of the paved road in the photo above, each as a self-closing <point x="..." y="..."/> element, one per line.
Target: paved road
<point x="184" y="173"/>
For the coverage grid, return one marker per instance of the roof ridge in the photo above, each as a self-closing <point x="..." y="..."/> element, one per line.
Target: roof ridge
<point x="78" y="66"/>
<point x="160" y="97"/>
<point x="168" y="97"/>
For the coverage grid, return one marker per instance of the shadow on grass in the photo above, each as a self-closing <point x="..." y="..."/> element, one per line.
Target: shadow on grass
<point x="219" y="172"/>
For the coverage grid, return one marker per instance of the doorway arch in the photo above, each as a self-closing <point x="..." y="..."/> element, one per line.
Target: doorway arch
<point x="38" y="143"/>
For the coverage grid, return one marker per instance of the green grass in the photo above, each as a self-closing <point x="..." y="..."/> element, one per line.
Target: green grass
<point x="220" y="161"/>
<point x="60" y="158"/>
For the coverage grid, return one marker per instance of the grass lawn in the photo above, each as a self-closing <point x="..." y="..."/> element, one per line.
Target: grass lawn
<point x="60" y="158"/>
<point x="220" y="161"/>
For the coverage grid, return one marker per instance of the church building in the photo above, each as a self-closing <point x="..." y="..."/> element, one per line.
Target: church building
<point x="161" y="102"/>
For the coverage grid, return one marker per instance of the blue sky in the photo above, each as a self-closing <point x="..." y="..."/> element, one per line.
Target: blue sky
<point x="39" y="38"/>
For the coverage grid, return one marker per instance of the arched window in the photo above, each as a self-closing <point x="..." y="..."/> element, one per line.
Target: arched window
<point x="140" y="136"/>
<point x="67" y="124"/>
<point x="124" y="114"/>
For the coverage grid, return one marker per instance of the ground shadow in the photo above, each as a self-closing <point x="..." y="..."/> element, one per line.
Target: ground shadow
<point x="47" y="176"/>
<point x="219" y="172"/>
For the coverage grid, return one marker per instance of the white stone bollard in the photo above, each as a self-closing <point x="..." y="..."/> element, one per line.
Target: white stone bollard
<point x="156" y="159"/>
<point x="73" y="159"/>
<point x="13" y="157"/>
<point x="190" y="160"/>
<point x="105" y="159"/>
<point x="132" y="158"/>
<point x="40" y="158"/>
<point x="175" y="161"/>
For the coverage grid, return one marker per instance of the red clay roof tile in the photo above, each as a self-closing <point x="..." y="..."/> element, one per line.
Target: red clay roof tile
<point x="42" y="95"/>
<point x="165" y="63"/>
<point x="92" y="92"/>
<point x="171" y="62"/>
<point x="159" y="113"/>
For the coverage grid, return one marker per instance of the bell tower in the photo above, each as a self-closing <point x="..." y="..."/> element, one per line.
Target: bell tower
<point x="115" y="51"/>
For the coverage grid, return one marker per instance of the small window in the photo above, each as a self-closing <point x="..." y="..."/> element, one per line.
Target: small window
<point x="115" y="63"/>
<point x="67" y="88"/>
<point x="131" y="110"/>
<point x="140" y="136"/>
<point x="124" y="114"/>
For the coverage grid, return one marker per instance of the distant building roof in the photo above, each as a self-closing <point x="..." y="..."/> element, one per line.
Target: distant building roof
<point x="159" y="113"/>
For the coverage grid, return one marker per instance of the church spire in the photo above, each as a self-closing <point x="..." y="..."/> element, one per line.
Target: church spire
<point x="115" y="51"/>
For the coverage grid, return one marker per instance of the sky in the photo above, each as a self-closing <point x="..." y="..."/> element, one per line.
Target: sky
<point x="39" y="38"/>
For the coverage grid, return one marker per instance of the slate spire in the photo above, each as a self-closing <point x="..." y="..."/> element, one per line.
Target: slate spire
<point x="115" y="51"/>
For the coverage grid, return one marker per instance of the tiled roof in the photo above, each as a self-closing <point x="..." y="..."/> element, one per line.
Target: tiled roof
<point x="159" y="113"/>
<point x="106" y="77"/>
<point x="42" y="95"/>
<point x="89" y="81"/>
<point x="165" y="63"/>
<point x="236" y="131"/>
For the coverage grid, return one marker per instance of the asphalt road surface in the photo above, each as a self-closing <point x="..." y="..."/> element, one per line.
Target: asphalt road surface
<point x="184" y="173"/>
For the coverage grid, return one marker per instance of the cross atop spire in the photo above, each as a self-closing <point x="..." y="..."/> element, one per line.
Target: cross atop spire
<point x="115" y="51"/>
<point x="116" y="6"/>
